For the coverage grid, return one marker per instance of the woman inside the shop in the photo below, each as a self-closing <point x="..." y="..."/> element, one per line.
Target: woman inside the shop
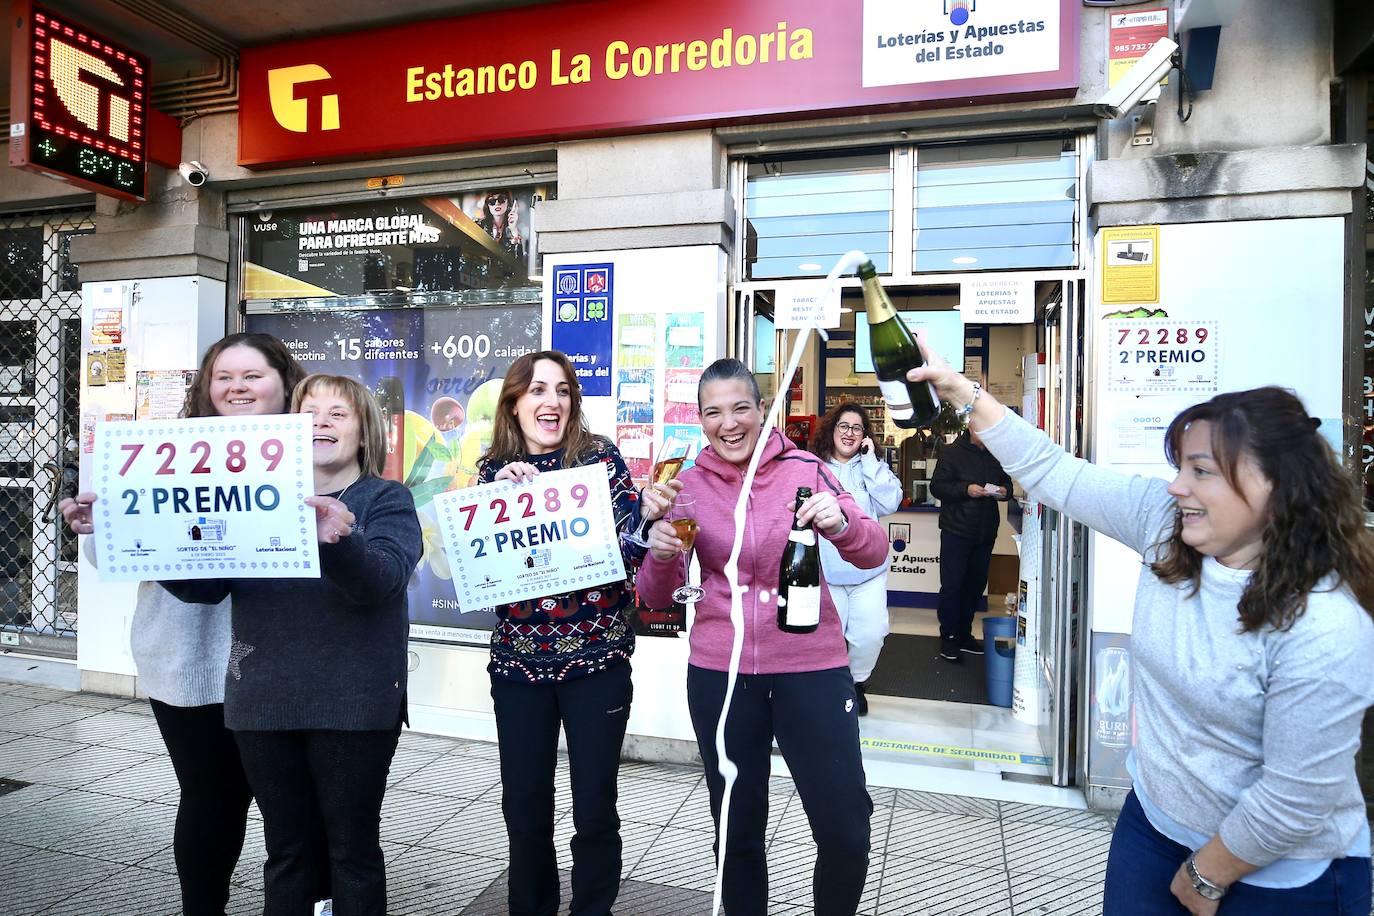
<point x="316" y="692"/>
<point x="1252" y="638"/>
<point x="844" y="441"/>
<point x="182" y="652"/>
<point x="795" y="687"/>
<point x="561" y="659"/>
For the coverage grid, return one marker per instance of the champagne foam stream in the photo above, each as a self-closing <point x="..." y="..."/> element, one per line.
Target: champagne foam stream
<point x="726" y="767"/>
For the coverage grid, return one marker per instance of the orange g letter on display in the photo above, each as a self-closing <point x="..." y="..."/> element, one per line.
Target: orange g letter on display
<point x="293" y="113"/>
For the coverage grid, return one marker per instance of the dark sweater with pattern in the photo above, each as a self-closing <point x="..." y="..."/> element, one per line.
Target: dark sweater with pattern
<point x="561" y="637"/>
<point x="326" y="653"/>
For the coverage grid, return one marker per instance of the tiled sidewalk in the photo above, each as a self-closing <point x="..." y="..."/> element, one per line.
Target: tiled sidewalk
<point x="91" y="833"/>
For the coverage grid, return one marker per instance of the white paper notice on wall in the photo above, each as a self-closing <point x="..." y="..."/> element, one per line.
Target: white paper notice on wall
<point x="806" y="305"/>
<point x="684" y="336"/>
<point x="997" y="300"/>
<point x="637" y="336"/>
<point x="681" y="392"/>
<point x="636" y="447"/>
<point x="639" y="392"/>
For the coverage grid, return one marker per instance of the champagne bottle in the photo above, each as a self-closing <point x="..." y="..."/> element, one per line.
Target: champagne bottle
<point x="910" y="405"/>
<point x="799" y="577"/>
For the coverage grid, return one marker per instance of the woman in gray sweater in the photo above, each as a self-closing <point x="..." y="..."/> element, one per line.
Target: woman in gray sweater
<point x="1252" y="639"/>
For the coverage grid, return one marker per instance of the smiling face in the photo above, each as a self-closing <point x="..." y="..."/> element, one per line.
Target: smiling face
<point x="732" y="419"/>
<point x="336" y="430"/>
<point x="542" y="411"/>
<point x="849" y="435"/>
<point x="243" y="383"/>
<point x="1218" y="521"/>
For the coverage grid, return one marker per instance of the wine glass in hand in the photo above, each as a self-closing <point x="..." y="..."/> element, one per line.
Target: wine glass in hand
<point x="683" y="517"/>
<point x="671" y="456"/>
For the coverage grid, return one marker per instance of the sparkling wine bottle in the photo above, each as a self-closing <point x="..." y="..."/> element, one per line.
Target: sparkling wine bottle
<point x="910" y="405"/>
<point x="799" y="577"/>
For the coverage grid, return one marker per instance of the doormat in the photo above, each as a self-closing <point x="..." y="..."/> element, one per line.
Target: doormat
<point x="908" y="667"/>
<point x="10" y="785"/>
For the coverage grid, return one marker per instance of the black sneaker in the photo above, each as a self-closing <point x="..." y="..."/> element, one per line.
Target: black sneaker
<point x="949" y="651"/>
<point x="862" y="697"/>
<point x="970" y="645"/>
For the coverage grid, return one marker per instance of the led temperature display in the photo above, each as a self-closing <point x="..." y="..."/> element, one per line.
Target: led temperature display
<point x="79" y="104"/>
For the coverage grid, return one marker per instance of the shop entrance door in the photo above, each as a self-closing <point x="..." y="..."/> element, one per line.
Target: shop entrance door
<point x="40" y="365"/>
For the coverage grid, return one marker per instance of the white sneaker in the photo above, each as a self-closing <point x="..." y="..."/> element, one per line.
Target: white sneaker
<point x="324" y="908"/>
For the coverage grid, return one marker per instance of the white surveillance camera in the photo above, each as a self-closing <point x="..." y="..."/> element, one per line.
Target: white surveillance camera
<point x="194" y="173"/>
<point x="1137" y="82"/>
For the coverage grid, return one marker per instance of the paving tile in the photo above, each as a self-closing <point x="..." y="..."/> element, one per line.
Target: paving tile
<point x="23" y="799"/>
<point x="1058" y="817"/>
<point x="487" y="750"/>
<point x="99" y="727"/>
<point x="791" y="871"/>
<point x="145" y="737"/>
<point x="433" y="744"/>
<point x="945" y="837"/>
<point x="11" y="852"/>
<point x="151" y="778"/>
<point x="409" y="817"/>
<point x="660" y="772"/>
<point x="12" y="704"/>
<point x="635" y="840"/>
<point x="41" y="694"/>
<point x="456" y="777"/>
<point x="953" y="804"/>
<point x="406" y="762"/>
<point x="82" y="767"/>
<point x="428" y="882"/>
<point x="48" y="821"/>
<point x="1042" y="895"/>
<point x="882" y="795"/>
<point x="95" y="700"/>
<point x="128" y="838"/>
<point x="37" y="720"/>
<point x="37" y="882"/>
<point x="640" y="898"/>
<point x="651" y="802"/>
<point x="137" y="708"/>
<point x="1064" y="852"/>
<point x="245" y="901"/>
<point x="248" y="873"/>
<point x="31" y="750"/>
<point x="920" y="887"/>
<point x="476" y="828"/>
<point x="695" y="813"/>
<point x="679" y="858"/>
<point x="130" y="890"/>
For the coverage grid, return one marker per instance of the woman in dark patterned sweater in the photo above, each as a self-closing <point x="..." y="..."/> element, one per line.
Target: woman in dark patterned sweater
<point x="560" y="659"/>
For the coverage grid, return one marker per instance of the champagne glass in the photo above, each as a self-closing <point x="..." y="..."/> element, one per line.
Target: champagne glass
<point x="671" y="456"/>
<point x="683" y="517"/>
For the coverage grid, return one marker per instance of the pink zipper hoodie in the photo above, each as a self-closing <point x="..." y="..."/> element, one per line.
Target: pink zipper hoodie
<point x="715" y="484"/>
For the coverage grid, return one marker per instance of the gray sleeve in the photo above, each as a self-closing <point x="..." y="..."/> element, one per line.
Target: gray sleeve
<point x="884" y="489"/>
<point x="1313" y="712"/>
<point x="1128" y="508"/>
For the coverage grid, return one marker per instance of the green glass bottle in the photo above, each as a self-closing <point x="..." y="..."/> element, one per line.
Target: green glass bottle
<point x="799" y="577"/>
<point x="910" y="405"/>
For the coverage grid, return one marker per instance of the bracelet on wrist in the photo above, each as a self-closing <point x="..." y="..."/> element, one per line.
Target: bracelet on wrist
<point x="1204" y="888"/>
<point x="963" y="413"/>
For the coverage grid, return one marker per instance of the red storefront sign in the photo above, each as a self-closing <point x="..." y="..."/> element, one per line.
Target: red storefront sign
<point x="580" y="69"/>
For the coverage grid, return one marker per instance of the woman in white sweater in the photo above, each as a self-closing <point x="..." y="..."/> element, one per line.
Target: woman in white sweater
<point x="1252" y="640"/>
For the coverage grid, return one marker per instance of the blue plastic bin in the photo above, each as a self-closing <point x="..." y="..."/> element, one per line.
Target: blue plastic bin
<point x="999" y="659"/>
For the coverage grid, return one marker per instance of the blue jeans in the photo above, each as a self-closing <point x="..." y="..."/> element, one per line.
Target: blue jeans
<point x="1142" y="863"/>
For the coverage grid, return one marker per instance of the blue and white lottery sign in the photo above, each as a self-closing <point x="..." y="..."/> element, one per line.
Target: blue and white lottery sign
<point x="511" y="542"/>
<point x="208" y="498"/>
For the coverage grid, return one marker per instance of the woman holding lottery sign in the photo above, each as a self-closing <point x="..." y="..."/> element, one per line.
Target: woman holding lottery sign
<point x="561" y="659"/>
<point x="316" y="691"/>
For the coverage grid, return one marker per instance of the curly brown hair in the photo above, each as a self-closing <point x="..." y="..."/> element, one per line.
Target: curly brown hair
<point x="198" y="402"/>
<point x="822" y="443"/>
<point x="1316" y="521"/>
<point x="507" y="442"/>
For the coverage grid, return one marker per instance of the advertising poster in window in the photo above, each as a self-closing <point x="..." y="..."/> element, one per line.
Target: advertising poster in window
<point x="478" y="240"/>
<point x="437" y="375"/>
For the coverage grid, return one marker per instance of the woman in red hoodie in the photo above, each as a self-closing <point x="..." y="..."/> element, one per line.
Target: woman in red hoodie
<point x="796" y="688"/>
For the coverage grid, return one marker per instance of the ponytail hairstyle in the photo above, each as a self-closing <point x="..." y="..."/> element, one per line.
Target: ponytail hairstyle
<point x="1316" y="519"/>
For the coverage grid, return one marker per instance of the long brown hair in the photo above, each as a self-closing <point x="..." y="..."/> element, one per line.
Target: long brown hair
<point x="507" y="443"/>
<point x="198" y="402"/>
<point x="1316" y="522"/>
<point x="371" y="424"/>
<point x="823" y="439"/>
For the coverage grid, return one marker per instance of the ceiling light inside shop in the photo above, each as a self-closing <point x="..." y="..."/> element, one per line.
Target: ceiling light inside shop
<point x="965" y="259"/>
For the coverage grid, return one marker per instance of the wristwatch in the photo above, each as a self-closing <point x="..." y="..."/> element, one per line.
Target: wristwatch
<point x="1205" y="889"/>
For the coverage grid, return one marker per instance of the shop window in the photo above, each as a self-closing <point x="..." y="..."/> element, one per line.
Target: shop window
<point x="21" y="262"/>
<point x="801" y="215"/>
<point x="995" y="206"/>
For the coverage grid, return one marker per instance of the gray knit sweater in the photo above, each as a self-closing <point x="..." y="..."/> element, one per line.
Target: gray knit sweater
<point x="1250" y="735"/>
<point x="326" y="653"/>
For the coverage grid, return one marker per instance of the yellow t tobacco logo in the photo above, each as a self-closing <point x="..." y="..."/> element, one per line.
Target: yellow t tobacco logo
<point x="293" y="113"/>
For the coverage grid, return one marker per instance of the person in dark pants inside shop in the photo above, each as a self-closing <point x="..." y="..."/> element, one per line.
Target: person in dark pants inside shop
<point x="969" y="483"/>
<point x="562" y="659"/>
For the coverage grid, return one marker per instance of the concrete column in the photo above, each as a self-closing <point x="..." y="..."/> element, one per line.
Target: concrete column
<point x="649" y="191"/>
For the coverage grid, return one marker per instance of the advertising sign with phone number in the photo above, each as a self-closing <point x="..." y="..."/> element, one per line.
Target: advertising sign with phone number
<point x="1162" y="356"/>
<point x="208" y="498"/>
<point x="510" y="542"/>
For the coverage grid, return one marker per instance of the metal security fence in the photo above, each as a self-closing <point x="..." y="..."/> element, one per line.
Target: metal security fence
<point x="40" y="377"/>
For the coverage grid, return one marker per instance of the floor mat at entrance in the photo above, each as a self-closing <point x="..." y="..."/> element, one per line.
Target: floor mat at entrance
<point x="908" y="667"/>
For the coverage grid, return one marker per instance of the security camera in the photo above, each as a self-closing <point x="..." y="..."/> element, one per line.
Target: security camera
<point x="1138" y="82"/>
<point x="194" y="173"/>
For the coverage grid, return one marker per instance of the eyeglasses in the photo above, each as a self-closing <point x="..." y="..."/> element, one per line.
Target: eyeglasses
<point x="850" y="428"/>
